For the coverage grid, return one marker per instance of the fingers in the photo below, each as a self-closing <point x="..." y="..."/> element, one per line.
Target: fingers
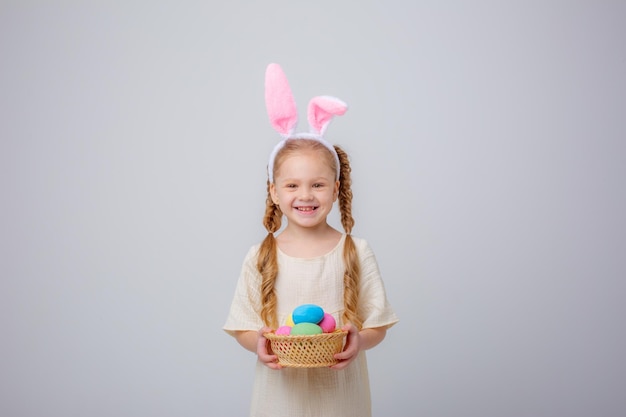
<point x="351" y="348"/>
<point x="264" y="352"/>
<point x="345" y="358"/>
<point x="273" y="365"/>
<point x="340" y="365"/>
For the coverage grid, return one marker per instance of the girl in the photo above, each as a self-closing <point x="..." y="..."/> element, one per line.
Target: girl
<point x="309" y="262"/>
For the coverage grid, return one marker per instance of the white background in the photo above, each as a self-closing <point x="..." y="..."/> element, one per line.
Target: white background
<point x="487" y="141"/>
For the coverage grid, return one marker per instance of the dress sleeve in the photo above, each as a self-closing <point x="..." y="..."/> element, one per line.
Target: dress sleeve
<point x="374" y="307"/>
<point x="246" y="304"/>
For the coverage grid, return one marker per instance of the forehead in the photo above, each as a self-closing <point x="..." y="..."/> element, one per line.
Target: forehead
<point x="306" y="163"/>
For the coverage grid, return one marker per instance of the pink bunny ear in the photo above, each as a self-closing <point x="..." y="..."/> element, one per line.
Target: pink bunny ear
<point x="281" y="106"/>
<point x="321" y="111"/>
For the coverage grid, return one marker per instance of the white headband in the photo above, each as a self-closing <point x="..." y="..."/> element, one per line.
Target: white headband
<point x="283" y="114"/>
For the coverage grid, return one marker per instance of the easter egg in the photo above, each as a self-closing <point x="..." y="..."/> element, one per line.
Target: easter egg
<point x="289" y="322"/>
<point x="283" y="330"/>
<point x="328" y="323"/>
<point x="306" y="328"/>
<point x="307" y="313"/>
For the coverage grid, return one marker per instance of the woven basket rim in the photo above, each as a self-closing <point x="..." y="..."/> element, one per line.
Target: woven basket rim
<point x="322" y="336"/>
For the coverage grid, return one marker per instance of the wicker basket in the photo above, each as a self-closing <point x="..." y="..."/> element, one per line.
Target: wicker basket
<point x="307" y="351"/>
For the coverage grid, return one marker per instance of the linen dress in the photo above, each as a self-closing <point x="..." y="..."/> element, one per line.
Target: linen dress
<point x="296" y="392"/>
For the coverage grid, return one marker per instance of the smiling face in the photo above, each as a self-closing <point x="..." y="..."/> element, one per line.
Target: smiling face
<point x="305" y="187"/>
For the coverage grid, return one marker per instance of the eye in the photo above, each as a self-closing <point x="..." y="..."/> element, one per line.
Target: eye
<point x="290" y="185"/>
<point x="318" y="185"/>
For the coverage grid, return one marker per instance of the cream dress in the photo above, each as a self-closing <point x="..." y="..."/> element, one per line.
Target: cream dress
<point x="295" y="392"/>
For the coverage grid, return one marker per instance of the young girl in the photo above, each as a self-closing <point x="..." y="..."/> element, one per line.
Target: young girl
<point x="309" y="262"/>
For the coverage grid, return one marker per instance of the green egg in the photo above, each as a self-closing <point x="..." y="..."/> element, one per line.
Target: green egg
<point x="306" y="329"/>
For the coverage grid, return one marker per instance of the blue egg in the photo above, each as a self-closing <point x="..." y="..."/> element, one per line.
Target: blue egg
<point x="307" y="313"/>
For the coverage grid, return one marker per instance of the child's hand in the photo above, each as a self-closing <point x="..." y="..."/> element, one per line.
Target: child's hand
<point x="264" y="352"/>
<point x="351" y="349"/>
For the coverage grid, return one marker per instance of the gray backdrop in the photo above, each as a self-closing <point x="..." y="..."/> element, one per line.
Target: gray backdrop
<point x="487" y="141"/>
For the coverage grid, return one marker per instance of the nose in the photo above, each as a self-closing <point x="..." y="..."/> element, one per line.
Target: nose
<point x="305" y="194"/>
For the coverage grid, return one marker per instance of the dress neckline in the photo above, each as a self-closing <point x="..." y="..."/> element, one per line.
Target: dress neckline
<point x="334" y="249"/>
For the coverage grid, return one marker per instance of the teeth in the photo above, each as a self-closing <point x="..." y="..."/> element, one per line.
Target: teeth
<point x="305" y="208"/>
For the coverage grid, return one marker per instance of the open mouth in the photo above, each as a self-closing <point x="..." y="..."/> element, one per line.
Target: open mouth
<point x="306" y="209"/>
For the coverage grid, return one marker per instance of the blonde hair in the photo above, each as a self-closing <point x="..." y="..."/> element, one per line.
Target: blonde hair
<point x="267" y="263"/>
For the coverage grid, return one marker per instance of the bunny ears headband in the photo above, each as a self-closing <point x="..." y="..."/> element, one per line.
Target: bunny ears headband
<point x="283" y="114"/>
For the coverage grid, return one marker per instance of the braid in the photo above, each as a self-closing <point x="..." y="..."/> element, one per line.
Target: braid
<point x="350" y="256"/>
<point x="267" y="262"/>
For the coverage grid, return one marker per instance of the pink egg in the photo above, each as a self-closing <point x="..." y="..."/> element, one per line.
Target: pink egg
<point x="283" y="331"/>
<point x="328" y="323"/>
